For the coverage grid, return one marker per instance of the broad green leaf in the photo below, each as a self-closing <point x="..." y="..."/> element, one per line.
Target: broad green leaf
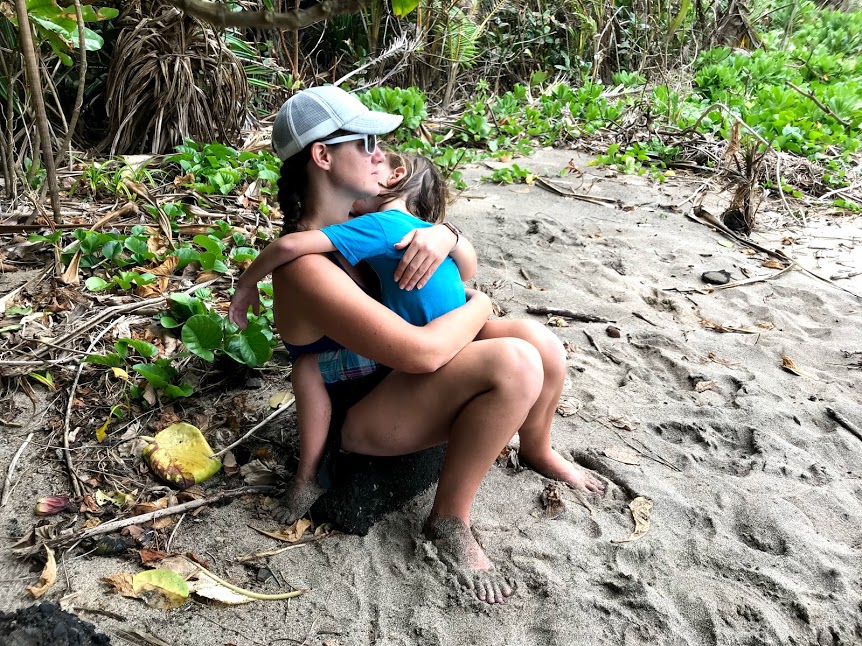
<point x="111" y="360"/>
<point x="181" y="456"/>
<point x="158" y="376"/>
<point x="169" y="322"/>
<point x="143" y="348"/>
<point x="210" y="244"/>
<point x="252" y="348"/>
<point x="201" y="335"/>
<point x="96" y="284"/>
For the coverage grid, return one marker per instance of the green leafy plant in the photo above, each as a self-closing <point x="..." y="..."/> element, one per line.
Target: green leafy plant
<point x="206" y="334"/>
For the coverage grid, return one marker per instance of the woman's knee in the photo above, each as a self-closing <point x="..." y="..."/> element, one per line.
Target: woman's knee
<point x="550" y="349"/>
<point x="516" y="365"/>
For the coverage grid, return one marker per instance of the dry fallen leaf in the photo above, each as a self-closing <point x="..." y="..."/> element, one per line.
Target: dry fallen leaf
<point x="772" y="264"/>
<point x="229" y="464"/>
<point x="640" y="508"/>
<point x="167" y="267"/>
<point x="557" y="321"/>
<point x="47" y="577"/>
<point x="701" y="386"/>
<point x="552" y="501"/>
<point x="122" y="584"/>
<point x="624" y="423"/>
<point x="568" y="406"/>
<point x="290" y="535"/>
<point x="622" y="454"/>
<point x="790" y="366"/>
<point x="724" y="362"/>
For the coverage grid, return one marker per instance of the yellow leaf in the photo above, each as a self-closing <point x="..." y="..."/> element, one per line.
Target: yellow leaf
<point x="279" y="399"/>
<point x="119" y="373"/>
<point x="180" y="456"/>
<point x="117" y="498"/>
<point x="102" y="431"/>
<point x="160" y="588"/>
<point x="47" y="578"/>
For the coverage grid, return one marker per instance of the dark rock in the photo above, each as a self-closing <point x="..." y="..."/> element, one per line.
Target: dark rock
<point x="716" y="277"/>
<point x="367" y="488"/>
<point x="46" y="624"/>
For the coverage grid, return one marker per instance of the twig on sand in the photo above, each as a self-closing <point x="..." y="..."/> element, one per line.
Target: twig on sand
<point x="569" y="314"/>
<point x="106" y="528"/>
<point x="599" y="349"/>
<point x="7" y="483"/>
<point x="843" y="421"/>
<point x="278" y="411"/>
<point x="702" y="216"/>
<point x="174" y="533"/>
<point x="245" y="558"/>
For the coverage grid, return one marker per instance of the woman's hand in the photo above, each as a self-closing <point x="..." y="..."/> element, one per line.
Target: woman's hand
<point x="425" y="249"/>
<point x="244" y="297"/>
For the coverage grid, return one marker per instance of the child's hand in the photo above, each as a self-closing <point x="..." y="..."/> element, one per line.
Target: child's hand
<point x="425" y="250"/>
<point x="244" y="297"/>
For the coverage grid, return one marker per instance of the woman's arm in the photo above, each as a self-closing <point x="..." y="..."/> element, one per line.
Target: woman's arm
<point x="426" y="249"/>
<point x="284" y="250"/>
<point x="331" y="304"/>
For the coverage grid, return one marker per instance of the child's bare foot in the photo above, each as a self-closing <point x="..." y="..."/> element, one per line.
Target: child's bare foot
<point x="458" y="549"/>
<point x="298" y="498"/>
<point x="553" y="465"/>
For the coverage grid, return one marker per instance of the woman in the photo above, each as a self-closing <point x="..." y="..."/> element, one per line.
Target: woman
<point x="442" y="384"/>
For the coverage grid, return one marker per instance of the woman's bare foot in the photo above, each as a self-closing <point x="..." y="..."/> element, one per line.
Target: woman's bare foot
<point x="458" y="549"/>
<point x="298" y="498"/>
<point x="553" y="465"/>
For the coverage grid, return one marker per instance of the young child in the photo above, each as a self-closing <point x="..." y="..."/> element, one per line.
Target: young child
<point x="412" y="184"/>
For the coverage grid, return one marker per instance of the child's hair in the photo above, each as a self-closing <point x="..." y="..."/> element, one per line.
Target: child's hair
<point x="422" y="187"/>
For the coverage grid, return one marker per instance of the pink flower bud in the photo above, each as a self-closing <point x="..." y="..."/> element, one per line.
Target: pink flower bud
<point x="52" y="505"/>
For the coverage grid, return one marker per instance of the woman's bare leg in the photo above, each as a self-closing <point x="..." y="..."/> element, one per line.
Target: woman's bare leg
<point x="476" y="402"/>
<point x="313" y="412"/>
<point x="535" y="433"/>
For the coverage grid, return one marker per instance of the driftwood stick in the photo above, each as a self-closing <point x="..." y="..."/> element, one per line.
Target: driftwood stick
<point x="107" y="528"/>
<point x="7" y="484"/>
<point x="569" y="314"/>
<point x="278" y="411"/>
<point x="843" y="421"/>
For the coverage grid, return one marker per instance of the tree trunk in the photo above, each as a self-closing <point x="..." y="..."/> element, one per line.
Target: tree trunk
<point x="34" y="82"/>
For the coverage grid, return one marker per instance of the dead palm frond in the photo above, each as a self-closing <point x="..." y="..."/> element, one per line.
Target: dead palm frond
<point x="171" y="78"/>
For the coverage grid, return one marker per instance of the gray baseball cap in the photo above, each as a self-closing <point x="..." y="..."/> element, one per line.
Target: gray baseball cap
<point x="317" y="112"/>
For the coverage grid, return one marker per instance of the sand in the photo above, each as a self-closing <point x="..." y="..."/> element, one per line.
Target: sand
<point x="755" y="526"/>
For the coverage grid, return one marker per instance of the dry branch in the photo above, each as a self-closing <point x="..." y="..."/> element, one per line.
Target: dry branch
<point x="569" y="314"/>
<point x="75" y="536"/>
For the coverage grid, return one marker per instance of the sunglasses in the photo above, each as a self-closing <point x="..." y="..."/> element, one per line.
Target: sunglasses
<point x="370" y="141"/>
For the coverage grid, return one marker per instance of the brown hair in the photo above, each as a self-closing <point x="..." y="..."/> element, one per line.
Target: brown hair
<point x="422" y="187"/>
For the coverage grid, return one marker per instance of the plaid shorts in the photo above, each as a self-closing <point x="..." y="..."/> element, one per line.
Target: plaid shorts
<point x="344" y="365"/>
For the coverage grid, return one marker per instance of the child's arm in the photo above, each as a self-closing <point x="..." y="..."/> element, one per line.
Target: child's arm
<point x="464" y="256"/>
<point x="426" y="249"/>
<point x="284" y="250"/>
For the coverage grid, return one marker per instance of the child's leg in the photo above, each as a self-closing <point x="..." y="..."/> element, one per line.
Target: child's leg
<point x="535" y="433"/>
<point x="313" y="412"/>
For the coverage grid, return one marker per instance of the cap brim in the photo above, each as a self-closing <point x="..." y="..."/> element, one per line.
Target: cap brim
<point x="373" y="123"/>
